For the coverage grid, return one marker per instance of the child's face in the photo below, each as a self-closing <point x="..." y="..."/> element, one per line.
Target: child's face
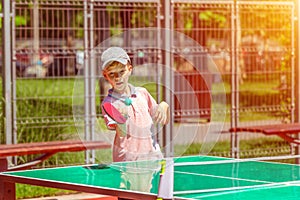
<point x="118" y="76"/>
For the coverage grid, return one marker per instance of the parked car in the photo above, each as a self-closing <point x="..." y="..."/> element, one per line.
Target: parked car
<point x="29" y="66"/>
<point x="55" y="58"/>
<point x="64" y="64"/>
<point x="25" y="65"/>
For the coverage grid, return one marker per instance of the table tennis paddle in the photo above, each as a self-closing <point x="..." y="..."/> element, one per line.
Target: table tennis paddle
<point x="113" y="113"/>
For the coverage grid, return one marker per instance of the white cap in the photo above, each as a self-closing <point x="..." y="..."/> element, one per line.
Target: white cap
<point x="114" y="54"/>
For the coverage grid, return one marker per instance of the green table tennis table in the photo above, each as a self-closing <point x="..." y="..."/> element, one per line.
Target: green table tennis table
<point x="192" y="177"/>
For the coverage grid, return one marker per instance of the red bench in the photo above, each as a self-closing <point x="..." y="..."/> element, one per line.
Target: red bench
<point x="285" y="131"/>
<point x="289" y="132"/>
<point x="46" y="149"/>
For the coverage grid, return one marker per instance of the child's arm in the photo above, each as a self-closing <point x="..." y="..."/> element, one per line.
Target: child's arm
<point x="159" y="112"/>
<point x="162" y="113"/>
<point x="114" y="118"/>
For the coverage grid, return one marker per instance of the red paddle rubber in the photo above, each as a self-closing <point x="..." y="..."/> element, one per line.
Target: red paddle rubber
<point x="113" y="113"/>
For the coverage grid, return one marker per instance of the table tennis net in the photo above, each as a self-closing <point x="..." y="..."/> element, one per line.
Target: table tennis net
<point x="143" y="166"/>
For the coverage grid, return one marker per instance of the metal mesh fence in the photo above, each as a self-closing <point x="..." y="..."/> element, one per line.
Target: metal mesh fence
<point x="243" y="50"/>
<point x="46" y="45"/>
<point x="265" y="54"/>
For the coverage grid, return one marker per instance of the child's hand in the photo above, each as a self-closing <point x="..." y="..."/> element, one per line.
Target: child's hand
<point x="162" y="113"/>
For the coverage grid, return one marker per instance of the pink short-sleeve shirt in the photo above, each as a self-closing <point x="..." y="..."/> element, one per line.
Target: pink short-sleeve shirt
<point x="139" y="142"/>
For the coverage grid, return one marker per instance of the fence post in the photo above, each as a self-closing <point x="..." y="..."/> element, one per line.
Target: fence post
<point x="297" y="70"/>
<point x="234" y="146"/>
<point x="92" y="80"/>
<point x="87" y="114"/>
<point x="6" y="73"/>
<point x="168" y="77"/>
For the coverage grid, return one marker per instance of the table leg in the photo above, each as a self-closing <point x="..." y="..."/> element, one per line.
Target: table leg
<point x="7" y="190"/>
<point x="297" y="150"/>
<point x="3" y="165"/>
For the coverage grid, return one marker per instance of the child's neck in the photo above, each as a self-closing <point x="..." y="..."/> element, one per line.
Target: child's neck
<point x="126" y="91"/>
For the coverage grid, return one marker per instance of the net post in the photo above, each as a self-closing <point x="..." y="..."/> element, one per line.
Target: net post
<point x="166" y="184"/>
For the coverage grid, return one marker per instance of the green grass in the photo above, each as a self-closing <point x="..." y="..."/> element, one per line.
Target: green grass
<point x="259" y="147"/>
<point x="62" y="93"/>
<point x="29" y="191"/>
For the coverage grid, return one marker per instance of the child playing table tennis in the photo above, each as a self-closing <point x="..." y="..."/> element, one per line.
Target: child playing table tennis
<point x="134" y="139"/>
